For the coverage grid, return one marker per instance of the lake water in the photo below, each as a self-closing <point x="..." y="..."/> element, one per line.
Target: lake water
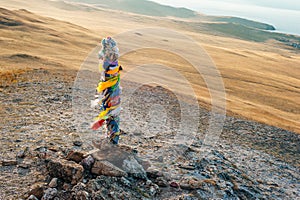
<point x="284" y="20"/>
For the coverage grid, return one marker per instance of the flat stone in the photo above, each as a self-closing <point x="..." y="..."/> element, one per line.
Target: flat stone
<point x="37" y="190"/>
<point x="24" y="165"/>
<point x="54" y="149"/>
<point x="132" y="167"/>
<point x="66" y="170"/>
<point x="154" y="173"/>
<point x="185" y="186"/>
<point x="174" y="184"/>
<point x="75" y="156"/>
<point x="160" y="181"/>
<point x="187" y="167"/>
<point x="53" y="183"/>
<point x="77" y="143"/>
<point x="192" y="183"/>
<point x="41" y="149"/>
<point x="9" y="162"/>
<point x="32" y="197"/>
<point x="107" y="169"/>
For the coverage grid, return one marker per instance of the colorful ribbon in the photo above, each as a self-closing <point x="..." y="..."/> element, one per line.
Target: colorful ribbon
<point x="110" y="90"/>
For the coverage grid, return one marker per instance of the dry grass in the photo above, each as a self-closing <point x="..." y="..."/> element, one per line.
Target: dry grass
<point x="261" y="79"/>
<point x="41" y="42"/>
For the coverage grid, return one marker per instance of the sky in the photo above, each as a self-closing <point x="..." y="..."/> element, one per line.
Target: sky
<point x="284" y="15"/>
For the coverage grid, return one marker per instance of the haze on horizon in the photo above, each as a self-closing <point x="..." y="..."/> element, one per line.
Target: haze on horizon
<point x="284" y="15"/>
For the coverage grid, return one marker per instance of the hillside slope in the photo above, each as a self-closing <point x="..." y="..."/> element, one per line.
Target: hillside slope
<point x="245" y="22"/>
<point x="144" y="7"/>
<point x="233" y="27"/>
<point x="260" y="77"/>
<point x="31" y="41"/>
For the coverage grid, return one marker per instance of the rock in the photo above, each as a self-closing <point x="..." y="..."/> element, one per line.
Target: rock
<point x="174" y="184"/>
<point x="153" y="188"/>
<point x="50" y="194"/>
<point x="41" y="149"/>
<point x="220" y="155"/>
<point x="66" y="170"/>
<point x="82" y="195"/>
<point x="224" y="176"/>
<point x="88" y="162"/>
<point x="77" y="143"/>
<point x="192" y="183"/>
<point x="78" y="187"/>
<point x="32" y="197"/>
<point x="132" y="167"/>
<point x="187" y="167"/>
<point x="43" y="155"/>
<point x="245" y="193"/>
<point x="207" y="194"/>
<point x="126" y="182"/>
<point x="37" y="190"/>
<point x="9" y="162"/>
<point x="148" y="182"/>
<point x="67" y="186"/>
<point x="222" y="185"/>
<point x="185" y="186"/>
<point x="53" y="183"/>
<point x="154" y="173"/>
<point x="24" y="165"/>
<point x="107" y="169"/>
<point x="54" y="149"/>
<point x="160" y="181"/>
<point x="84" y="180"/>
<point x="75" y="156"/>
<point x="21" y="154"/>
<point x="79" y="192"/>
<point x="17" y="100"/>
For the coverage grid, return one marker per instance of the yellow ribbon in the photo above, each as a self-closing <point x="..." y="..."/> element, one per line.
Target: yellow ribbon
<point x="104" y="85"/>
<point x="113" y="71"/>
<point x="101" y="68"/>
<point x="103" y="114"/>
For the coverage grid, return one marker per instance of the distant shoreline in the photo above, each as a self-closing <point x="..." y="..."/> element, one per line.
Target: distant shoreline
<point x="277" y="29"/>
<point x="283" y="20"/>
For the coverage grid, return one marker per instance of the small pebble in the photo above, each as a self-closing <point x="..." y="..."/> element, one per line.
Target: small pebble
<point x="53" y="183"/>
<point x="77" y="143"/>
<point x="174" y="184"/>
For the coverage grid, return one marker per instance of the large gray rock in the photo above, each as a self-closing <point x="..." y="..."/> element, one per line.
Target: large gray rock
<point x="9" y="162"/>
<point x="132" y="167"/>
<point x="66" y="170"/>
<point x="107" y="169"/>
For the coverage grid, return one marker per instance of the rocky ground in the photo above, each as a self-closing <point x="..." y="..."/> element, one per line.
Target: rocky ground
<point x="43" y="156"/>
